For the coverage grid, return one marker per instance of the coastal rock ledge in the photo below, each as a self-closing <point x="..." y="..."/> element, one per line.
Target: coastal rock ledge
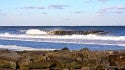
<point x="63" y="32"/>
<point x="64" y="59"/>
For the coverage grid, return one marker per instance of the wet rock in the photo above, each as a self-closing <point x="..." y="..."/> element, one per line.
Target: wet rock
<point x="56" y="50"/>
<point x="65" y="49"/>
<point x="85" y="49"/>
<point x="61" y="32"/>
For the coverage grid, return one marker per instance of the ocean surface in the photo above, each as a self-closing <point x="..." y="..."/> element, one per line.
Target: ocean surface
<point x="21" y="38"/>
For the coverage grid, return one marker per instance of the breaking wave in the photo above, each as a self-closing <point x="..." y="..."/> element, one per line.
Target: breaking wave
<point x="35" y="31"/>
<point x="40" y="36"/>
<point x="84" y="37"/>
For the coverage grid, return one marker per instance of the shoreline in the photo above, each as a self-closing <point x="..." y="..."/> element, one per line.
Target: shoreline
<point x="63" y="59"/>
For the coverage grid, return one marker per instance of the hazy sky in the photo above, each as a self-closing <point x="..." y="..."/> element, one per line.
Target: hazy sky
<point x="62" y="12"/>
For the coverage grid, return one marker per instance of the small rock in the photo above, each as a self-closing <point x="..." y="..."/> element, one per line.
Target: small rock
<point x="84" y="49"/>
<point x="65" y="48"/>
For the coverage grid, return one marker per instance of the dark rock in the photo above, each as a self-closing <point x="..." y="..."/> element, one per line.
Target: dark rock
<point x="84" y="49"/>
<point x="56" y="50"/>
<point x="65" y="48"/>
<point x="79" y="59"/>
<point x="61" y="32"/>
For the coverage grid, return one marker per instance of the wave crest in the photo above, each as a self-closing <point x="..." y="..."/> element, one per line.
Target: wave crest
<point x="77" y="39"/>
<point x="29" y="35"/>
<point x="35" y="31"/>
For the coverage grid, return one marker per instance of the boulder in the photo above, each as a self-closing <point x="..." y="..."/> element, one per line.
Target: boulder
<point x="84" y="49"/>
<point x="10" y="55"/>
<point x="8" y="64"/>
<point x="85" y="68"/>
<point x="40" y="65"/>
<point x="65" y="48"/>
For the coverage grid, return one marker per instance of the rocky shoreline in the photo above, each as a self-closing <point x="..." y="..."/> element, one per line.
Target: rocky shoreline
<point x="69" y="32"/>
<point x="63" y="59"/>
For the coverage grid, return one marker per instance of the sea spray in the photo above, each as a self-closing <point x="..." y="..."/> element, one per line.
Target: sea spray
<point x="35" y="31"/>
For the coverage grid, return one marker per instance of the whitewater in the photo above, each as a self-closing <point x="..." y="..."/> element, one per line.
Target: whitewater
<point x="41" y="36"/>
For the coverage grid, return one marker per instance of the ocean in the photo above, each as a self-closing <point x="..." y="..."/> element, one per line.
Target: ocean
<point x="21" y="38"/>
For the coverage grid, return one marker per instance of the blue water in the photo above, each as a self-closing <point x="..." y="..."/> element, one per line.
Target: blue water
<point x="17" y="36"/>
<point x="113" y="30"/>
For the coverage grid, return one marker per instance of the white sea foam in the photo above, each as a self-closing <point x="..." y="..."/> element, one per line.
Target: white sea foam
<point x="21" y="48"/>
<point x="88" y="37"/>
<point x="35" y="31"/>
<point x="77" y="39"/>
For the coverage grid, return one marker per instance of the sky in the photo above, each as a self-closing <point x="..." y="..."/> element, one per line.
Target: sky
<point x="62" y="12"/>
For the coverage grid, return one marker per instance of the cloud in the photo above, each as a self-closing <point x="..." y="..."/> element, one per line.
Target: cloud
<point x="77" y="12"/>
<point x="119" y="7"/>
<point x="33" y="7"/>
<point x="116" y="9"/>
<point x="103" y="0"/>
<point x="96" y="0"/>
<point x="43" y="13"/>
<point x="2" y="14"/>
<point x="87" y="1"/>
<point x="99" y="14"/>
<point x="58" y="6"/>
<point x="100" y="0"/>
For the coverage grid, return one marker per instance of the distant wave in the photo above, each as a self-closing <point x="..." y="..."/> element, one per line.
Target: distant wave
<point x="21" y="48"/>
<point x="35" y="31"/>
